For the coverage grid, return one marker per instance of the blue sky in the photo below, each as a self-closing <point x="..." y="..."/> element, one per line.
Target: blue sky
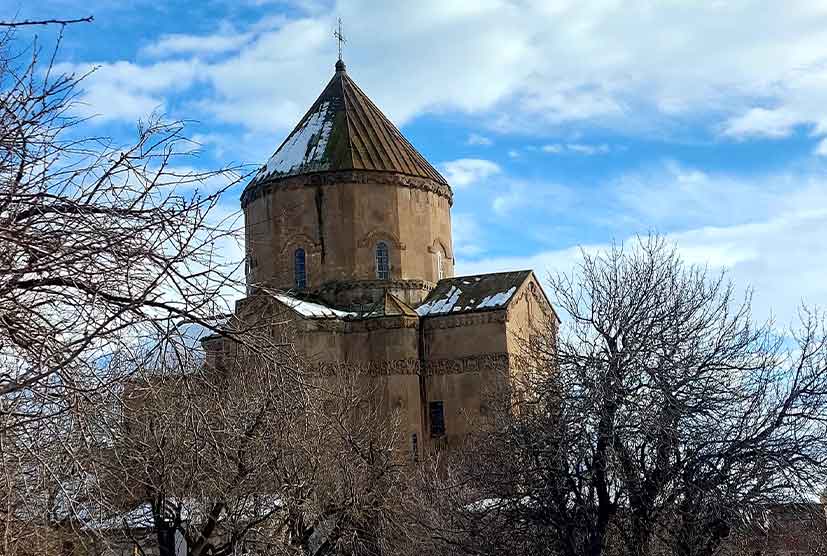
<point x="560" y="124"/>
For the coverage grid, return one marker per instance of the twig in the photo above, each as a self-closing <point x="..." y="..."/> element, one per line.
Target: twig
<point x="88" y="19"/>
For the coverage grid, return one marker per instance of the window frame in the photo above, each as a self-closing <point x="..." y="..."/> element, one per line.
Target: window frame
<point x="436" y="418"/>
<point x="382" y="273"/>
<point x="300" y="280"/>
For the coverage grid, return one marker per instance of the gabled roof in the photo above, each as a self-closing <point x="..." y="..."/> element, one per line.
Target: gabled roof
<point x="390" y="306"/>
<point x="344" y="130"/>
<point x="310" y="309"/>
<point x="467" y="294"/>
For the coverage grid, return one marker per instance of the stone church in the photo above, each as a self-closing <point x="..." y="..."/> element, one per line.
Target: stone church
<point x="348" y="230"/>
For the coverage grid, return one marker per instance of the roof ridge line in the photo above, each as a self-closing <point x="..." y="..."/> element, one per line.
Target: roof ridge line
<point x="348" y="131"/>
<point x="385" y="134"/>
<point x="431" y="170"/>
<point x="372" y="140"/>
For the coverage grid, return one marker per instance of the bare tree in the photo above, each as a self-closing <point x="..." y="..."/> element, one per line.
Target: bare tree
<point x="112" y="429"/>
<point x="263" y="455"/>
<point x="102" y="249"/>
<point x="662" y="422"/>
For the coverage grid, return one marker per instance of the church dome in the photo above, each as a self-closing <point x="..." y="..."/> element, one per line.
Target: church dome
<point x="344" y="130"/>
<point x="347" y="209"/>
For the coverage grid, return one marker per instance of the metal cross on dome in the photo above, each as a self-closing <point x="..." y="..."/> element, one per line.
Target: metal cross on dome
<point x="339" y="36"/>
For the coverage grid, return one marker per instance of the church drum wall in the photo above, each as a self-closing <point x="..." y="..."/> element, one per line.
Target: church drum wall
<point x="339" y="226"/>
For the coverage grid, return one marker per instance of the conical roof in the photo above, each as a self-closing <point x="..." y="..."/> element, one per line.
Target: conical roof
<point x="344" y="130"/>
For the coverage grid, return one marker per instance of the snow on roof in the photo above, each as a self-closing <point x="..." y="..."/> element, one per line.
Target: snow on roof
<point x="486" y="504"/>
<point x="141" y="517"/>
<point x="311" y="310"/>
<point x="343" y="131"/>
<point x="440" y="305"/>
<point x="191" y="333"/>
<point x="465" y="294"/>
<point x="497" y="299"/>
<point x="305" y="146"/>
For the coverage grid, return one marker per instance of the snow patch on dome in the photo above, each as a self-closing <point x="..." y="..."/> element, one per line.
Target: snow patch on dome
<point x="305" y="147"/>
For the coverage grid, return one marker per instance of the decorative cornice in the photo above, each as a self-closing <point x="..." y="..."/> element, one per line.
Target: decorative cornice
<point x="375" y="177"/>
<point x="432" y="367"/>
<point x="387" y="322"/>
<point x="343" y="285"/>
<point x="464" y="319"/>
<point x="474" y="364"/>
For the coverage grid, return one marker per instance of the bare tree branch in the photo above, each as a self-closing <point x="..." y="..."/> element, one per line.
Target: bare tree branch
<point x="28" y="22"/>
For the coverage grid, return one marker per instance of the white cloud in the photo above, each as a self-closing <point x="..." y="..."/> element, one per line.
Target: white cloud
<point x="126" y="91"/>
<point x="821" y="148"/>
<point x="761" y="122"/>
<point x="515" y="194"/>
<point x="588" y="150"/>
<point x="467" y="235"/>
<point x="576" y="148"/>
<point x="106" y="102"/>
<point x="463" y="172"/>
<point x="187" y="179"/>
<point x="475" y="139"/>
<point x="796" y="100"/>
<point x="672" y="194"/>
<point x="539" y="64"/>
<point x="768" y="231"/>
<point x="170" y="45"/>
<point x="513" y="198"/>
<point x="784" y="259"/>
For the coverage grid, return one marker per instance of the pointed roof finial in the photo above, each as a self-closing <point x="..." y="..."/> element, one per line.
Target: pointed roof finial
<point x="340" y="37"/>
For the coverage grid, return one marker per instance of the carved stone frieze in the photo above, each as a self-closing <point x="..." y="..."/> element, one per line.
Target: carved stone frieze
<point x="383" y="284"/>
<point x="477" y="363"/>
<point x="259" y="189"/>
<point x="432" y="367"/>
<point x="464" y="319"/>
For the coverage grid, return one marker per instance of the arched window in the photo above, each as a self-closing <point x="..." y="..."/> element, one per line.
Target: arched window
<point x="383" y="263"/>
<point x="299" y="269"/>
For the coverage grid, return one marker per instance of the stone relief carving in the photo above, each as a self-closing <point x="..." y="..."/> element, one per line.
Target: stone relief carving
<point x="351" y="176"/>
<point x="438" y="244"/>
<point x="370" y="239"/>
<point x="300" y="240"/>
<point x="454" y="321"/>
<point x="384" y="284"/>
<point x="433" y="367"/>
